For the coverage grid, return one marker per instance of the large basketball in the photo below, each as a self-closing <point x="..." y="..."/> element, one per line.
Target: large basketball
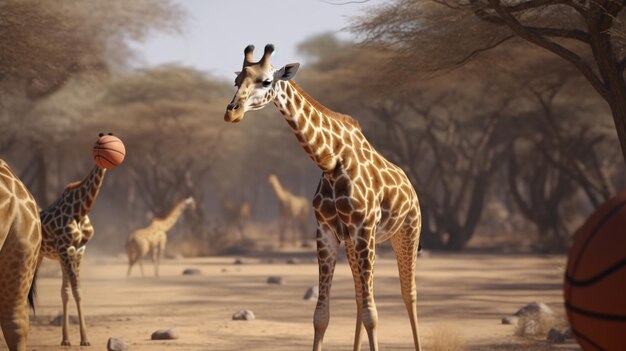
<point x="109" y="151"/>
<point x="595" y="279"/>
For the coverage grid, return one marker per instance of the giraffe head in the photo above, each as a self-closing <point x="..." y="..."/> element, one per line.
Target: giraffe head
<point x="190" y="202"/>
<point x="256" y="83"/>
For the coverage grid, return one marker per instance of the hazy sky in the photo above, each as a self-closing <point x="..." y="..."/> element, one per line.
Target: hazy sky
<point x="217" y="31"/>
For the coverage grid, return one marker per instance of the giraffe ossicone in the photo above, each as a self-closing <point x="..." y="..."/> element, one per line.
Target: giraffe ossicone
<point x="362" y="198"/>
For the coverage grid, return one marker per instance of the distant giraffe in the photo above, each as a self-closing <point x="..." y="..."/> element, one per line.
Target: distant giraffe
<point x="152" y="239"/>
<point x="235" y="215"/>
<point x="294" y="211"/>
<point x="66" y="231"/>
<point x="361" y="199"/>
<point x="20" y="240"/>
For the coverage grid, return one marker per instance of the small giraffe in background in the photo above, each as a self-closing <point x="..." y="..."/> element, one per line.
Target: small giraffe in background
<point x="362" y="198"/>
<point x="294" y="211"/>
<point x="235" y="215"/>
<point x="20" y="240"/>
<point x="153" y="238"/>
<point x="66" y="231"/>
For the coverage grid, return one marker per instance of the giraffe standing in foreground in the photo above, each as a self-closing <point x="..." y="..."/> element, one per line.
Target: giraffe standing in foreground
<point x="20" y="239"/>
<point x="361" y="199"/>
<point x="294" y="211"/>
<point x="152" y="239"/>
<point x="66" y="230"/>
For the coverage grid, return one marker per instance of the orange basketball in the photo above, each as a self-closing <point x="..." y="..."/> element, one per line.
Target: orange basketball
<point x="109" y="151"/>
<point x="595" y="279"/>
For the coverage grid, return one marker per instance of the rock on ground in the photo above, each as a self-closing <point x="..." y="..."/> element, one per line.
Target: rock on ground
<point x="115" y="344"/>
<point x="238" y="260"/>
<point x="312" y="293"/>
<point x="275" y="280"/>
<point x="243" y="315"/>
<point x="165" y="334"/>
<point x="512" y="320"/>
<point x="555" y="336"/>
<point x="192" y="271"/>
<point x="292" y="260"/>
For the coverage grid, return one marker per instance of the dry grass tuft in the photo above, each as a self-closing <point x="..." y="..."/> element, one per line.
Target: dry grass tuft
<point x="535" y="324"/>
<point x="445" y="338"/>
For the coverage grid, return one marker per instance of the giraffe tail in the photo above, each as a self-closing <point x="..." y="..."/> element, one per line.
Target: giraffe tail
<point x="32" y="292"/>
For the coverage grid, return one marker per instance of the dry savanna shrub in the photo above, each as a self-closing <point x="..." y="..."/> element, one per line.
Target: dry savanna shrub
<point x="445" y="338"/>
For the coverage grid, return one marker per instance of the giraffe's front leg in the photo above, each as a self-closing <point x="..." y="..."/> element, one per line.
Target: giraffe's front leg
<point x="65" y="294"/>
<point x="364" y="244"/>
<point x="327" y="248"/>
<point x="75" y="256"/>
<point x="354" y="267"/>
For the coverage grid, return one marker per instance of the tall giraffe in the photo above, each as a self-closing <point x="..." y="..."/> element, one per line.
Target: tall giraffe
<point x="20" y="239"/>
<point x="294" y="210"/>
<point x="66" y="229"/>
<point x="152" y="239"/>
<point x="361" y="199"/>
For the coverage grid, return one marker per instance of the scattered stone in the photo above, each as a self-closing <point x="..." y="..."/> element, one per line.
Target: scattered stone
<point x="115" y="344"/>
<point x="275" y="280"/>
<point x="307" y="244"/>
<point x="165" y="334"/>
<point x="238" y="260"/>
<point x="512" y="320"/>
<point x="539" y="308"/>
<point x="312" y="293"/>
<point x="555" y="336"/>
<point x="192" y="271"/>
<point x="224" y="270"/>
<point x="58" y="320"/>
<point x="568" y="334"/>
<point x="292" y="260"/>
<point x="243" y="315"/>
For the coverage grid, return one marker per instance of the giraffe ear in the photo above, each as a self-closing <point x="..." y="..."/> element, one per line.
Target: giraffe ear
<point x="287" y="72"/>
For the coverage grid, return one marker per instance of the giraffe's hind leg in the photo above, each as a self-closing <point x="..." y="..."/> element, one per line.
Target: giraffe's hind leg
<point x="405" y="245"/>
<point x="327" y="249"/>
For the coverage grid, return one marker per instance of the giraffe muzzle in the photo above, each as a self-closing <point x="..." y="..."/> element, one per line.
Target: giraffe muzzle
<point x="234" y="113"/>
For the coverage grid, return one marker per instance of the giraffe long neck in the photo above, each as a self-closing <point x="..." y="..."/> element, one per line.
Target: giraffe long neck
<point x="83" y="194"/>
<point x="166" y="223"/>
<point x="321" y="132"/>
<point x="278" y="188"/>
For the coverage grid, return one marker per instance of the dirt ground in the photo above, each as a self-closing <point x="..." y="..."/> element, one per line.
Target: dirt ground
<point x="465" y="295"/>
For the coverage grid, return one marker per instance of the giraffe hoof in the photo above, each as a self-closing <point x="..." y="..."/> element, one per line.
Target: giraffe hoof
<point x="65" y="343"/>
<point x="85" y="343"/>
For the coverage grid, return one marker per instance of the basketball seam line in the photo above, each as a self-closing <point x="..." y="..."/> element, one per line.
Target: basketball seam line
<point x="106" y="148"/>
<point x="597" y="315"/>
<point x="585" y="282"/>
<point x="587" y="339"/>
<point x="108" y="142"/>
<point x="106" y="159"/>
<point x="594" y="232"/>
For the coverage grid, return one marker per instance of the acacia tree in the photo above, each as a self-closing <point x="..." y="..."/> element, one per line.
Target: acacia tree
<point x="584" y="34"/>
<point x="52" y="60"/>
<point x="165" y="121"/>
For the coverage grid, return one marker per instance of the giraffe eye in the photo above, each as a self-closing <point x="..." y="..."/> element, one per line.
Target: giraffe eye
<point x="267" y="83"/>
